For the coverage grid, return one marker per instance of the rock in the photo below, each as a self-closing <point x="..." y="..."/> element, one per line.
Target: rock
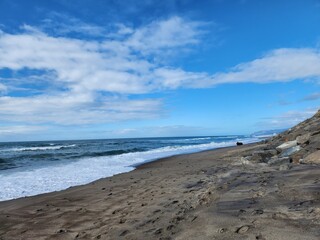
<point x="284" y="167"/>
<point x="239" y="143"/>
<point x="289" y="151"/>
<point x="296" y="158"/>
<point x="307" y="128"/>
<point x="313" y="158"/>
<point x="274" y="161"/>
<point x="315" y="133"/>
<point x="263" y="156"/>
<point x="304" y="139"/>
<point x="286" y="145"/>
<point x="245" y="160"/>
<point x="314" y="143"/>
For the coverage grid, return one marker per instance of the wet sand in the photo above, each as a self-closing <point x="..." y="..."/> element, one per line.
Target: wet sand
<point x="207" y="195"/>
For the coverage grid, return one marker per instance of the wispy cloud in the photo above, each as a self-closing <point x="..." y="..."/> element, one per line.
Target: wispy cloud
<point x="287" y="119"/>
<point x="62" y="25"/>
<point x="312" y="97"/>
<point x="162" y="131"/>
<point x="19" y="129"/>
<point x="281" y="65"/>
<point x="3" y="88"/>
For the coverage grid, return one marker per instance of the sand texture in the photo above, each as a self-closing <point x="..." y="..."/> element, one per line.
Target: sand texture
<point x="255" y="191"/>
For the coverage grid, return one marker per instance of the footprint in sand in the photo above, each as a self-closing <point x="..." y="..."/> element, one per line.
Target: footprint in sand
<point x="222" y="230"/>
<point x="258" y="212"/>
<point x="158" y="231"/>
<point x="125" y="232"/>
<point x="260" y="237"/>
<point x="243" y="229"/>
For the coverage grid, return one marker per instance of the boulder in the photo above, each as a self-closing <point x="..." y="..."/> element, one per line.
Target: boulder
<point x="314" y="143"/>
<point x="276" y="161"/>
<point x="286" y="145"/>
<point x="304" y="139"/>
<point x="313" y="158"/>
<point x="289" y="151"/>
<point x="263" y="156"/>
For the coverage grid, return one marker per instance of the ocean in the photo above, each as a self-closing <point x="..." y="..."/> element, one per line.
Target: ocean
<point x="31" y="168"/>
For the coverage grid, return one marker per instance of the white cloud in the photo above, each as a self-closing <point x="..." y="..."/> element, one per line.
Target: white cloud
<point x="92" y="81"/>
<point x="62" y="24"/>
<point x="3" y="88"/>
<point x="171" y="33"/>
<point x="280" y="65"/>
<point x="87" y="70"/>
<point x="287" y="119"/>
<point x="162" y="131"/>
<point x="76" y="109"/>
<point x="312" y="97"/>
<point x="19" y="129"/>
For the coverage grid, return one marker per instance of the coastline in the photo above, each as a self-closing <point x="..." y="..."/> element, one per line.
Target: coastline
<point x="136" y="167"/>
<point x="49" y="177"/>
<point x="176" y="198"/>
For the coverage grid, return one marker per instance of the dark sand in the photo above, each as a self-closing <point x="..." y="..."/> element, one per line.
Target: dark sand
<point x="206" y="195"/>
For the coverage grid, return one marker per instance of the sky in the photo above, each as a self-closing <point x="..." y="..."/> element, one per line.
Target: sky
<point x="144" y="68"/>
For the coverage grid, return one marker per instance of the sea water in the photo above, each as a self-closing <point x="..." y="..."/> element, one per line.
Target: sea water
<point x="31" y="168"/>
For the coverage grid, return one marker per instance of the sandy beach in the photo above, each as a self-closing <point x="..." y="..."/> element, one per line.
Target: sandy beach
<point x="159" y="120"/>
<point x="254" y="191"/>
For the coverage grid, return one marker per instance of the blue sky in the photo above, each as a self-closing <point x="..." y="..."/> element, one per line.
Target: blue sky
<point x="108" y="69"/>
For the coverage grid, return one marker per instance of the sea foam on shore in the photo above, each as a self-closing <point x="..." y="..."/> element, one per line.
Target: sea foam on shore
<point x="56" y="166"/>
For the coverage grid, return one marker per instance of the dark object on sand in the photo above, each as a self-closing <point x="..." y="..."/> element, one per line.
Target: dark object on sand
<point x="239" y="143"/>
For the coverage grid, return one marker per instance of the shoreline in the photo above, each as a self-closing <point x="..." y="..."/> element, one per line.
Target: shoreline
<point x="132" y="166"/>
<point x="212" y="194"/>
<point x="136" y="167"/>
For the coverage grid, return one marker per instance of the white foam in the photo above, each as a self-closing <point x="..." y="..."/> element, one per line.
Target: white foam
<point x="44" y="148"/>
<point x="30" y="181"/>
<point x="196" y="139"/>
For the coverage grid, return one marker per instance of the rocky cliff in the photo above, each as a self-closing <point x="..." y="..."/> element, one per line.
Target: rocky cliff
<point x="298" y="145"/>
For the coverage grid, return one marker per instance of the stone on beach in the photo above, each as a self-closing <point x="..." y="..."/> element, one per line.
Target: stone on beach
<point x="286" y="146"/>
<point x="313" y="158"/>
<point x="290" y="151"/>
<point x="304" y="139"/>
<point x="278" y="160"/>
<point x="262" y="155"/>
